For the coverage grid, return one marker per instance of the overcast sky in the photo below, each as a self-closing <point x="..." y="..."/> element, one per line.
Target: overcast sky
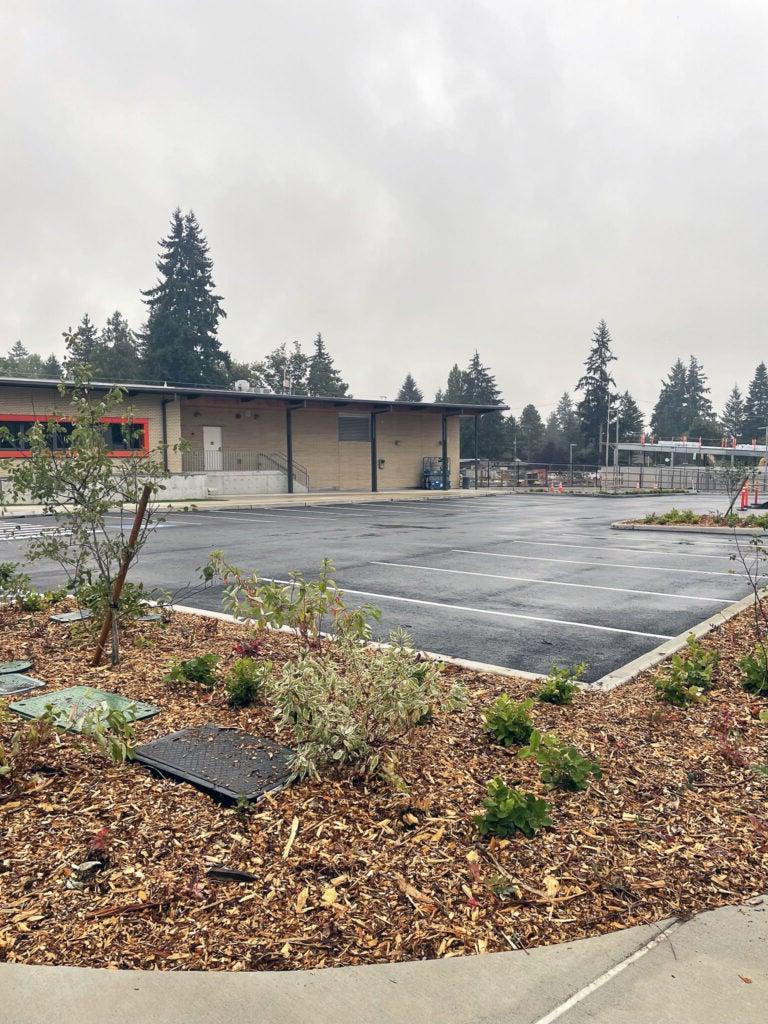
<point x="414" y="179"/>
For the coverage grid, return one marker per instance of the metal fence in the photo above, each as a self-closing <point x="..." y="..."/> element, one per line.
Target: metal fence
<point x="545" y="476"/>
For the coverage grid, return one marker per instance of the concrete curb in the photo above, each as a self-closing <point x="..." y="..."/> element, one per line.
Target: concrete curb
<point x="475" y="666"/>
<point x="633" y="669"/>
<point x="719" y="531"/>
<point x="707" y="969"/>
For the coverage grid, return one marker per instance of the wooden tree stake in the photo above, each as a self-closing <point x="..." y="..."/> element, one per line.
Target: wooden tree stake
<point x="117" y="589"/>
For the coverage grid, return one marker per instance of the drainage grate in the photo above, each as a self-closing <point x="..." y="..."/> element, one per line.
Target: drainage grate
<point x="14" y="666"/>
<point x="12" y="683"/>
<point x="76" y="701"/>
<point x="227" y="762"/>
<point x="72" y="616"/>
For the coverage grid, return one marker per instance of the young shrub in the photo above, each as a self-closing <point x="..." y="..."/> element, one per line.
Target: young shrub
<point x="509" y="810"/>
<point x="562" y="766"/>
<point x="245" y="681"/>
<point x="113" y="731"/>
<point x="12" y="581"/>
<point x="348" y="709"/>
<point x="695" y="666"/>
<point x="200" y="670"/>
<point x="560" y="685"/>
<point x="310" y="607"/>
<point x="508" y="721"/>
<point x="754" y="668"/>
<point x="673" y="689"/>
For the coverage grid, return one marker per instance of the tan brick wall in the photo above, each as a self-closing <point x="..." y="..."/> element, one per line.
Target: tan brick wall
<point x="48" y="402"/>
<point x="404" y="438"/>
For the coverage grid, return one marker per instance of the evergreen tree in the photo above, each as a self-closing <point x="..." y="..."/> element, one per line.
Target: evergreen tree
<point x="20" y="362"/>
<point x="733" y="413"/>
<point x="530" y="434"/>
<point x="669" y="414"/>
<point x="119" y="358"/>
<point x="456" y="389"/>
<point x="756" y="407"/>
<point x="631" y="422"/>
<point x="323" y="378"/>
<point x="409" y="391"/>
<point x="567" y="421"/>
<point x="84" y="348"/>
<point x="51" y="368"/>
<point x="553" y="449"/>
<point x="180" y="340"/>
<point x="596" y="386"/>
<point x="700" y="419"/>
<point x="477" y="386"/>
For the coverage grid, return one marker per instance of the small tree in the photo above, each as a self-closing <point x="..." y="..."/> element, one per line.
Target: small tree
<point x="69" y="471"/>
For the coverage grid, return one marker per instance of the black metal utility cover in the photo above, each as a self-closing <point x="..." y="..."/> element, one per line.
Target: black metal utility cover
<point x="14" y="666"/>
<point x="228" y="762"/>
<point x="12" y="683"/>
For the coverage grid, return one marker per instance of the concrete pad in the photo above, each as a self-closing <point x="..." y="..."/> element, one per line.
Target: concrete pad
<point x="706" y="971"/>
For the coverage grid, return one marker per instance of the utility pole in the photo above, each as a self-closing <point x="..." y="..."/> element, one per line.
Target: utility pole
<point x="570" y="460"/>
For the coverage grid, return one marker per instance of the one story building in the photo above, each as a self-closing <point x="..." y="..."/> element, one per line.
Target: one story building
<point x="219" y="441"/>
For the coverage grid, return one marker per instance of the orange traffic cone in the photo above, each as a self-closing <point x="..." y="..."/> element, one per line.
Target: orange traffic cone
<point x="560" y="487"/>
<point x="551" y="488"/>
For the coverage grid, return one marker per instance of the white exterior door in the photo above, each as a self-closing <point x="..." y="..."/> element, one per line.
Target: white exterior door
<point x="214" y="457"/>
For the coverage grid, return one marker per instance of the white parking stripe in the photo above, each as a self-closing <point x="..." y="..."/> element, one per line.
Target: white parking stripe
<point x="610" y="565"/>
<point x="612" y="547"/>
<point x="560" y="583"/>
<point x="490" y="611"/>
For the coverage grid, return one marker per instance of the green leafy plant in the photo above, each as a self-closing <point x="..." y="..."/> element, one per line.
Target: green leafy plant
<point x="754" y="668"/>
<point x="349" y="707"/>
<point x="201" y="669"/>
<point x="310" y="607"/>
<point x="509" y="810"/>
<point x="112" y="730"/>
<point x="19" y="756"/>
<point x="695" y="666"/>
<point x="560" y="685"/>
<point x="673" y="689"/>
<point x="69" y="470"/>
<point x="12" y="581"/>
<point x="95" y="595"/>
<point x="562" y="766"/>
<point x="246" y="680"/>
<point x="508" y="721"/>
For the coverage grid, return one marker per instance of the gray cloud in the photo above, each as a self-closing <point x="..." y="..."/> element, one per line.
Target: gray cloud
<point x="415" y="180"/>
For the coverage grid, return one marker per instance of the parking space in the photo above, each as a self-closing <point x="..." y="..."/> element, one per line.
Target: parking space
<point x="519" y="581"/>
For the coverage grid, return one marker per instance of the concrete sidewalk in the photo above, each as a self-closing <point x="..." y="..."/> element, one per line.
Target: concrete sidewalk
<point x="248" y="501"/>
<point x="711" y="969"/>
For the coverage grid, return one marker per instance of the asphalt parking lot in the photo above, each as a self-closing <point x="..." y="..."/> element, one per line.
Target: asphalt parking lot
<point x="518" y="581"/>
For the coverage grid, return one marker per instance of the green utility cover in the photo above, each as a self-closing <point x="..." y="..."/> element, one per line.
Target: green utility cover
<point x="72" y="616"/>
<point x="14" y="666"/>
<point x="154" y="617"/>
<point x="77" y="701"/>
<point x="12" y="683"/>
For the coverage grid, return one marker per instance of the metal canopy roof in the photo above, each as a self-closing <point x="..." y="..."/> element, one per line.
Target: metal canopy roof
<point x="694" y="448"/>
<point x="296" y="401"/>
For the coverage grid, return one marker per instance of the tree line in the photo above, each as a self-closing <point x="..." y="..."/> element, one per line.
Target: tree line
<point x="179" y="345"/>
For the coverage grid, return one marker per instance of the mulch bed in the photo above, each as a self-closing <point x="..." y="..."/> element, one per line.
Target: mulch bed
<point x="748" y="521"/>
<point x="356" y="872"/>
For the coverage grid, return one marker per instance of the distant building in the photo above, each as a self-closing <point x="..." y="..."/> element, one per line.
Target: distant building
<point x="248" y="442"/>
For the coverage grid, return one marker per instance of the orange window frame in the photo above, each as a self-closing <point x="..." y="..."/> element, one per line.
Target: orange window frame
<point x="114" y="454"/>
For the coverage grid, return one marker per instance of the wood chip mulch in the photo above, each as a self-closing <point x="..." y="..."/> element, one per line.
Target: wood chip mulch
<point x="355" y="872"/>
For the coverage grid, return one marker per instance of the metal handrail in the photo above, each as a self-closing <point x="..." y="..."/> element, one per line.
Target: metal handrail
<point x="234" y="460"/>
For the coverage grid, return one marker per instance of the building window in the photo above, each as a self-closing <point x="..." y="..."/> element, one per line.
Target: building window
<point x="123" y="435"/>
<point x="354" y="428"/>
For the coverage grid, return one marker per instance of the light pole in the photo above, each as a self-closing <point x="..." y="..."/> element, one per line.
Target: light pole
<point x="570" y="460"/>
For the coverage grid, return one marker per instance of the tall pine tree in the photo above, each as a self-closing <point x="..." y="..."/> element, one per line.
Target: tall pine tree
<point x="756" y="407"/>
<point x="180" y="340"/>
<point x="530" y="435"/>
<point x="84" y="348"/>
<point x="478" y="387"/>
<point x="669" y="414"/>
<point x="119" y="357"/>
<point x="597" y="387"/>
<point x="323" y="378"/>
<point x="631" y="423"/>
<point x="733" y="413"/>
<point x="700" y="419"/>
<point x="409" y="390"/>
